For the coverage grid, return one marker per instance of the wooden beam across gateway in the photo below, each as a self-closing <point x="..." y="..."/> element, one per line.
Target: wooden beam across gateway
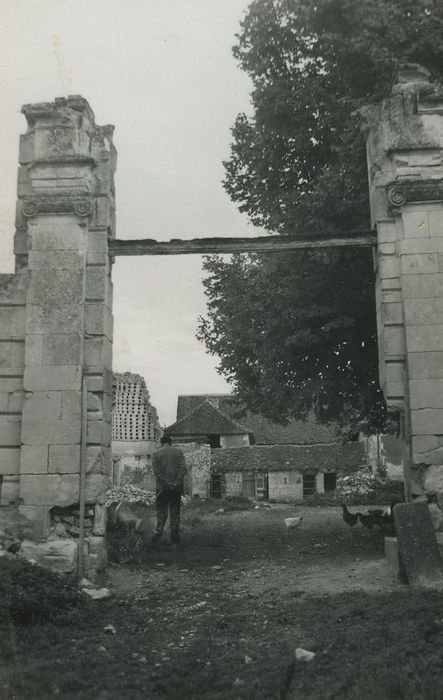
<point x="211" y="246"/>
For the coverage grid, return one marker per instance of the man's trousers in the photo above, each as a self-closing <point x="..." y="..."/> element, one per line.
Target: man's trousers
<point x="168" y="502"/>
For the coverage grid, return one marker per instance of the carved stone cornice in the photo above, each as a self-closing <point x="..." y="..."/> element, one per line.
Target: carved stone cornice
<point x="404" y="192"/>
<point x="80" y="205"/>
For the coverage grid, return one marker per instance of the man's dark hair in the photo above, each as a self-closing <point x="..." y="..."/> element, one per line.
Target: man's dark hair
<point x="166" y="440"/>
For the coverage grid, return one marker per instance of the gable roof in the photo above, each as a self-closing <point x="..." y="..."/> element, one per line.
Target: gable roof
<point x="265" y="431"/>
<point x="206" y="419"/>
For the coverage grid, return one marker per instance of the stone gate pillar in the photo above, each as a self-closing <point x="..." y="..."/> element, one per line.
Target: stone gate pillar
<point x="405" y="160"/>
<point x="65" y="216"/>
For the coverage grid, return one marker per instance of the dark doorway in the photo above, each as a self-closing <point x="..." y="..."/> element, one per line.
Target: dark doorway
<point x="330" y="481"/>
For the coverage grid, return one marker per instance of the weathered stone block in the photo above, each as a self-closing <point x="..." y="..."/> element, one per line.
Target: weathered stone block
<point x="57" y="377"/>
<point x="39" y="520"/>
<point x="415" y="222"/>
<point x="422" y="286"/>
<point x="391" y="313"/>
<point x="62" y="349"/>
<point x="12" y="322"/>
<point x="98" y="240"/>
<point x="63" y="235"/>
<point x="386" y="231"/>
<point x="34" y="350"/>
<point x="420" y="246"/>
<point x="16" y="401"/>
<point x="426" y="338"/>
<point x="9" y="431"/>
<point x="64" y="459"/>
<point x="431" y="457"/>
<point x="95" y="431"/>
<point x="52" y="318"/>
<point x="34" y="459"/>
<point x="424" y="263"/>
<point x="433" y="479"/>
<point x="96" y="488"/>
<point x="10" y="490"/>
<point x="18" y="354"/>
<point x="98" y="320"/>
<point x="26" y="148"/>
<point x="55" y="287"/>
<point x="10" y="384"/>
<point x="5" y="353"/>
<point x="425" y="365"/>
<point x="59" y="555"/>
<point x="436" y="222"/>
<point x="9" y="460"/>
<point x="49" y="489"/>
<point x="96" y="281"/>
<point x="424" y="443"/>
<point x="95" y="403"/>
<point x="38" y="431"/>
<point x="68" y="260"/>
<point x="71" y="405"/>
<point x="393" y="341"/>
<point x="388" y="267"/>
<point x="386" y="248"/>
<point x="426" y="393"/>
<point x="100" y="518"/>
<point x="99" y="260"/>
<point x="426" y="421"/>
<point x="423" y="311"/>
<point x="95" y="460"/>
<point x="43" y="405"/>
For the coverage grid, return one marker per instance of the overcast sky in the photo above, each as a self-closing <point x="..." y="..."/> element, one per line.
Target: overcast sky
<point x="163" y="73"/>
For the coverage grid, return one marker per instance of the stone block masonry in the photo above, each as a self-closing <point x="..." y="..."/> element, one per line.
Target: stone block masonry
<point x="56" y="331"/>
<point x="405" y="158"/>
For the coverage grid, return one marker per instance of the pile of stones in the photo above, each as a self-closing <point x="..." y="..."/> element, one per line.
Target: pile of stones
<point x="65" y="522"/>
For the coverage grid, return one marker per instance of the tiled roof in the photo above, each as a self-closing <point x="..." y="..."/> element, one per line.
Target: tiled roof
<point x="265" y="431"/>
<point x="206" y="419"/>
<point x="306" y="458"/>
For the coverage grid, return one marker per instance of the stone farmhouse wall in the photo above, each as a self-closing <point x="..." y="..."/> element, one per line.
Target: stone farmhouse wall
<point x="56" y="336"/>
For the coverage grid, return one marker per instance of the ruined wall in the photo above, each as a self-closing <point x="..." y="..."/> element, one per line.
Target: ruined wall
<point x="405" y="149"/>
<point x="60" y="330"/>
<point x="136" y="431"/>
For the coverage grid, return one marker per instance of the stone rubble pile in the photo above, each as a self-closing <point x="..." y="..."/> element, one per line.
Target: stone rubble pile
<point x="361" y="483"/>
<point x="65" y="522"/>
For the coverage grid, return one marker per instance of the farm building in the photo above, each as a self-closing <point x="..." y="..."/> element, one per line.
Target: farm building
<point x="258" y="458"/>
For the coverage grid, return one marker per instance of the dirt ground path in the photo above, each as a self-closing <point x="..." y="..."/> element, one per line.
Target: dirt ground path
<point x="253" y="552"/>
<point x="222" y="617"/>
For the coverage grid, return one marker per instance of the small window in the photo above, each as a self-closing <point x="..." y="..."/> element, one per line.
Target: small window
<point x="308" y="484"/>
<point x="330" y="481"/>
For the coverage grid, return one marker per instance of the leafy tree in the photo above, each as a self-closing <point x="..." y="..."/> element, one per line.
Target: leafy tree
<point x="296" y="332"/>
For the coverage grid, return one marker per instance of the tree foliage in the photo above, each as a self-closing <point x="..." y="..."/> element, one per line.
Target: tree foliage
<point x="296" y="332"/>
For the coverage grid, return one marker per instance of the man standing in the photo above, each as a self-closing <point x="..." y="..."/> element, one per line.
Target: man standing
<point x="169" y="469"/>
